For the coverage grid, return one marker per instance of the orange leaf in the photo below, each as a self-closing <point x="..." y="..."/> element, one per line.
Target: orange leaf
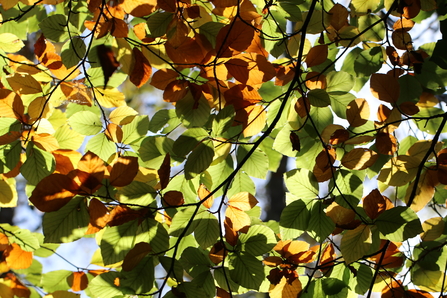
<point x="221" y="293"/>
<point x="234" y="38"/>
<point x="123" y="171"/>
<point x="359" y="159"/>
<point x="99" y="216"/>
<point x="163" y="77"/>
<point x="141" y="70"/>
<point x="315" y="80"/>
<point x="189" y="53"/>
<point x="17" y="258"/>
<point x="340" y="215"/>
<point x="357" y="112"/>
<point x="316" y="55"/>
<point x="385" y="87"/>
<point x="238" y="218"/>
<point x="11" y="104"/>
<point x="217" y="253"/>
<point x="293" y="247"/>
<point x="243" y="201"/>
<point x="114" y="133"/>
<point x="90" y="172"/>
<point x="173" y="198"/>
<point x="231" y="235"/>
<point x="374" y="204"/>
<point x="175" y="90"/>
<point x="203" y="192"/>
<point x="327" y="257"/>
<point x="135" y="255"/>
<point x="139" y="8"/>
<point x="394" y="290"/>
<point x="286" y="288"/>
<point x="250" y="69"/>
<point x="53" y="192"/>
<point x="284" y="74"/>
<point x="403" y="24"/>
<point x="78" y="281"/>
<point x="122" y="214"/>
<point x="66" y="160"/>
<point x="45" y="142"/>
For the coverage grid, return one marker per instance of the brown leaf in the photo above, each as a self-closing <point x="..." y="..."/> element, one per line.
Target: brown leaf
<point x="316" y="55"/>
<point x="124" y="171"/>
<point x="173" y="198"/>
<point x="107" y="61"/>
<point x="374" y="204"/>
<point x="135" y="255"/>
<point x="163" y="77"/>
<point x="338" y="16"/>
<point x="386" y="143"/>
<point x="385" y="87"/>
<point x="99" y="216"/>
<point x="409" y="108"/>
<point x="302" y="107"/>
<point x="324" y="162"/>
<point x="53" y="192"/>
<point x="217" y="253"/>
<point x="165" y="171"/>
<point x="295" y="141"/>
<point x="141" y="70"/>
<point x="114" y="133"/>
<point x="231" y="235"/>
<point x="402" y="40"/>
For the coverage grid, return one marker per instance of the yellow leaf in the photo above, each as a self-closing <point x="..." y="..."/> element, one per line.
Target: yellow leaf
<point x="243" y="201"/>
<point x="8" y="193"/>
<point x="122" y="115"/>
<point x="39" y="108"/>
<point x="238" y="218"/>
<point x="399" y="170"/>
<point x="433" y="228"/>
<point x="110" y="97"/>
<point x="255" y="121"/>
<point x="286" y="289"/>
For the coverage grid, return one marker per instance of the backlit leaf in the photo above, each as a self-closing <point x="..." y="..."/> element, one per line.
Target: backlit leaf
<point x="356" y="243"/>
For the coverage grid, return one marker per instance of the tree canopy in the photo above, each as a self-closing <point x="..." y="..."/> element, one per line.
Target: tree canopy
<point x="171" y="198"/>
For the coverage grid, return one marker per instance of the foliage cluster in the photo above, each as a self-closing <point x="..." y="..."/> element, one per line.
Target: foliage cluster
<point x="170" y="198"/>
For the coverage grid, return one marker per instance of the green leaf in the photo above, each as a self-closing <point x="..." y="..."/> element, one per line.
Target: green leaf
<point x="10" y="156"/>
<point x="347" y="183"/>
<point x="73" y="51"/>
<point x="410" y="89"/>
<point x="86" y="123"/>
<point x="154" y="149"/>
<point x="189" y="140"/>
<point x="207" y="229"/>
<point x="199" y="160"/>
<point x="154" y="233"/>
<point x="302" y="183"/>
<point x="399" y="170"/>
<point x="368" y="61"/>
<point x="257" y="163"/>
<point x="295" y="218"/>
<point x="246" y="270"/>
<point x="164" y="121"/>
<point x="373" y="32"/>
<point x="101" y="146"/>
<point x="364" y="6"/>
<point x="210" y="31"/>
<point x="339" y="82"/>
<point x="136" y="192"/>
<point x="22" y="237"/>
<point x="223" y="121"/>
<point x="241" y="183"/>
<point x="103" y="286"/>
<point x="56" y="280"/>
<point x="8" y="124"/>
<point x="193" y="113"/>
<point x="56" y="28"/>
<point x="141" y="278"/>
<point x="10" y="43"/>
<point x="135" y="130"/>
<point x="320" y="225"/>
<point x="38" y="164"/>
<point x="117" y="241"/>
<point x="340" y="102"/>
<point x="430" y="255"/>
<point x="175" y="270"/>
<point x="318" y="98"/>
<point x="355" y="243"/>
<point x="68" y="223"/>
<point x="431" y="124"/>
<point x="158" y="23"/>
<point x="68" y="138"/>
<point x="181" y="220"/>
<point x="399" y="224"/>
<point x="258" y="240"/>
